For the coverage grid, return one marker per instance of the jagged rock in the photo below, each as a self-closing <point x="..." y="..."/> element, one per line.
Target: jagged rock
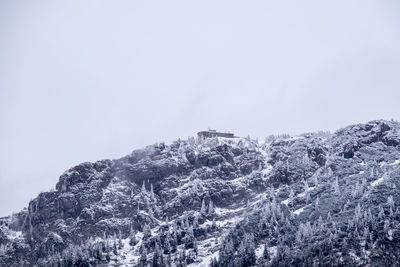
<point x="327" y="199"/>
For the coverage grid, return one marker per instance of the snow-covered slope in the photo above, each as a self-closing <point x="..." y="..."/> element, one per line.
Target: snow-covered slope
<point x="310" y="199"/>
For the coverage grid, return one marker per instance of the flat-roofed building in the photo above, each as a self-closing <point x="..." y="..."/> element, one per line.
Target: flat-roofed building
<point x="213" y="133"/>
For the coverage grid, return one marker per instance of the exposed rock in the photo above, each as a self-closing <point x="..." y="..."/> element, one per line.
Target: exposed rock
<point x="310" y="199"/>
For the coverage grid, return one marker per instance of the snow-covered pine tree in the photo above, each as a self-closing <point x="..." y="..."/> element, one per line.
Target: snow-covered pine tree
<point x="203" y="209"/>
<point x="291" y="195"/>
<point x="3" y="249"/>
<point x="120" y="244"/>
<point x="132" y="237"/>
<point x="265" y="255"/>
<point x="391" y="204"/>
<point x="143" y="256"/>
<point x="158" y="259"/>
<point x="195" y="221"/>
<point x="152" y="192"/>
<point x="211" y="210"/>
<point x="143" y="187"/>
<point x="336" y="186"/>
<point x="146" y="231"/>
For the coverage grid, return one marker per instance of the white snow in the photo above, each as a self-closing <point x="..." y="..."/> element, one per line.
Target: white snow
<point x="126" y="253"/>
<point x="286" y="201"/>
<point x="303" y="194"/>
<point x="354" y="256"/>
<point x="273" y="251"/>
<point x="208" y="250"/>
<point x="298" y="211"/>
<point x="259" y="251"/>
<point x="10" y="233"/>
<point x="115" y="190"/>
<point x="130" y="255"/>
<point x="223" y="223"/>
<point x="378" y="181"/>
<point x="266" y="171"/>
<point x="222" y="211"/>
<point x="384" y="163"/>
<point x="18" y="234"/>
<point x="206" y="260"/>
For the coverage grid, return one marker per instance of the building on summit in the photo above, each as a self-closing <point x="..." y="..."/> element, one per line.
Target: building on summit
<point x="213" y="133"/>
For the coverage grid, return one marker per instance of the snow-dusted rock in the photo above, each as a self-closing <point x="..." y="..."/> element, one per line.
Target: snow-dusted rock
<point x="327" y="199"/>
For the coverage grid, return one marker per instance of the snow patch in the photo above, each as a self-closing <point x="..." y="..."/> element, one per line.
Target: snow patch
<point x="298" y="211"/>
<point x="384" y="163"/>
<point x="208" y="249"/>
<point x="222" y="211"/>
<point x="273" y="251"/>
<point x="206" y="260"/>
<point x="259" y="251"/>
<point x="376" y="182"/>
<point x="286" y="201"/>
<point x="130" y="255"/>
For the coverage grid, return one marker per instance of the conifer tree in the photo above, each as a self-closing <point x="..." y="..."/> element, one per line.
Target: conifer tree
<point x="143" y="256"/>
<point x="336" y="186"/>
<point x="182" y="259"/>
<point x="189" y="237"/>
<point x="315" y="180"/>
<point x="195" y="247"/>
<point x="291" y="195"/>
<point x="115" y="249"/>
<point x="120" y="245"/>
<point x="143" y="187"/>
<point x="390" y="201"/>
<point x="132" y="237"/>
<point x="195" y="221"/>
<point x="146" y="231"/>
<point x="265" y="256"/>
<point x="167" y="242"/>
<point x="152" y="192"/>
<point x="203" y="210"/>
<point x="158" y="258"/>
<point x="211" y="209"/>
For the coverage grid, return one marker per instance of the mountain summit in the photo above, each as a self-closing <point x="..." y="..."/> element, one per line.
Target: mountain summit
<point x="315" y="199"/>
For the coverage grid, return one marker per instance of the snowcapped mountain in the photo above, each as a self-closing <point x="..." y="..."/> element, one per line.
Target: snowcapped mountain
<point x="314" y="199"/>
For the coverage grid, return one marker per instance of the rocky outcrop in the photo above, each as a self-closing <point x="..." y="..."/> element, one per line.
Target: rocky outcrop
<point x="195" y="200"/>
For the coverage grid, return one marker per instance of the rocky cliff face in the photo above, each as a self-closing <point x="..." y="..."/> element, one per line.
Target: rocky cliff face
<point x="312" y="199"/>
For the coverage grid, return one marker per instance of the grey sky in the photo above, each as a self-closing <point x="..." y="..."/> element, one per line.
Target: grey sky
<point x="87" y="80"/>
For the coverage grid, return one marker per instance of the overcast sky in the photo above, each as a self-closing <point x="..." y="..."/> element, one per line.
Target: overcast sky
<point x="88" y="80"/>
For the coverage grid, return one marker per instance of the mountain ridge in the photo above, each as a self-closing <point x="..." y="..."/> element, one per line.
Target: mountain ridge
<point x="314" y="199"/>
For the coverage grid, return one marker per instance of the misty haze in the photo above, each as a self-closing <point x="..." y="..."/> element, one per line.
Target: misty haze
<point x="212" y="133"/>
